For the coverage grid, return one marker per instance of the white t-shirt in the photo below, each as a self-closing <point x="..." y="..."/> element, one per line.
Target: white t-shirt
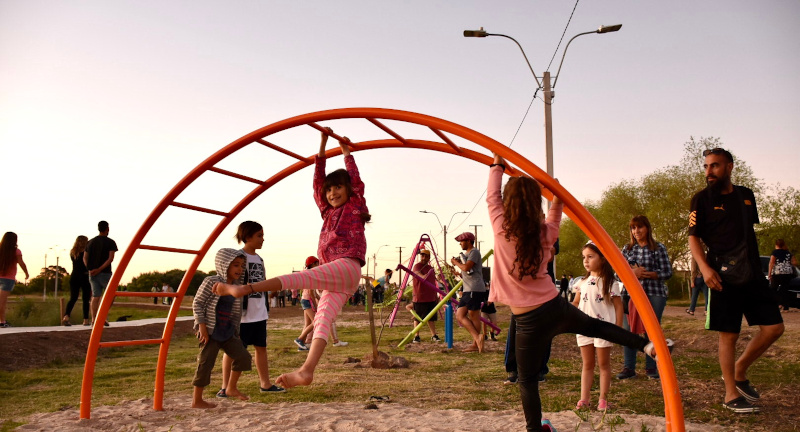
<point x="256" y="304"/>
<point x="592" y="303"/>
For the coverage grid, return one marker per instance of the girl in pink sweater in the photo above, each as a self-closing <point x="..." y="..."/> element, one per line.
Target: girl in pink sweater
<point x="522" y="245"/>
<point x="341" y="251"/>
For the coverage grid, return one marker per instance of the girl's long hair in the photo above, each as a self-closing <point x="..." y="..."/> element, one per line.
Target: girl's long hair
<point x="79" y="247"/>
<point x="246" y="230"/>
<point x="341" y="177"/>
<point x="606" y="272"/>
<point x="642" y="221"/>
<point x="8" y="251"/>
<point x="522" y="222"/>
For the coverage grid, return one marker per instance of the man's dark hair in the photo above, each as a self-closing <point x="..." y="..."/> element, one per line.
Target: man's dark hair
<point x="719" y="151"/>
<point x="102" y="226"/>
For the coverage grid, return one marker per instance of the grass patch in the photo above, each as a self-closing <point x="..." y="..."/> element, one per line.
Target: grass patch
<point x="469" y="381"/>
<point x="32" y="311"/>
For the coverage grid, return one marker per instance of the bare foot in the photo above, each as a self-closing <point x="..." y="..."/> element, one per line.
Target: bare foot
<point x="296" y="378"/>
<point x="237" y="394"/>
<point x="203" y="404"/>
<point x="472" y="348"/>
<point x="480" y="344"/>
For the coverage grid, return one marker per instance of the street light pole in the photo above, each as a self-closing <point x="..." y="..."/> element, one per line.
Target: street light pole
<point x="444" y="227"/>
<point x="545" y="86"/>
<point x="375" y="262"/>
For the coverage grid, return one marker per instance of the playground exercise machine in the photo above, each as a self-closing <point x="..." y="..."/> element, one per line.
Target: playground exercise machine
<point x="443" y="129"/>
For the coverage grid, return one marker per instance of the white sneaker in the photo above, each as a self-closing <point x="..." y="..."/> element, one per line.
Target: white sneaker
<point x="650" y="349"/>
<point x="341" y="344"/>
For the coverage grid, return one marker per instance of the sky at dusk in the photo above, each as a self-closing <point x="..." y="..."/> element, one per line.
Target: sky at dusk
<point x="106" y="105"/>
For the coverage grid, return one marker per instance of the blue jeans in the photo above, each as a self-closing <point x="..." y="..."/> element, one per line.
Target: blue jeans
<point x="658" y="303"/>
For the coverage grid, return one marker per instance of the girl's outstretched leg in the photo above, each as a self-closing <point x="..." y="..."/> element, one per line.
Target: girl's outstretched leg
<point x="305" y="375"/>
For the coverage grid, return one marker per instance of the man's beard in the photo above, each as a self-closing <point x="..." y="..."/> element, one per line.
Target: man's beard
<point x="719" y="184"/>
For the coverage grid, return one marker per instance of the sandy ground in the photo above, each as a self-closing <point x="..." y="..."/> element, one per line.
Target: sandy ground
<point x="230" y="416"/>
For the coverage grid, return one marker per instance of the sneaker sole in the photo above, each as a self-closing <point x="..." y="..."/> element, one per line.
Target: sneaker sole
<point x="749" y="410"/>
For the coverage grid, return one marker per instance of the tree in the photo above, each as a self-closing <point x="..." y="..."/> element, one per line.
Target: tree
<point x="779" y="212"/>
<point x="664" y="197"/>
<point x="145" y="281"/>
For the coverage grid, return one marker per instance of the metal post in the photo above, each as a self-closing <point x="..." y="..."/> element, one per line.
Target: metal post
<point x="448" y="325"/>
<point x="44" y="288"/>
<point x="58" y="274"/>
<point x="400" y="272"/>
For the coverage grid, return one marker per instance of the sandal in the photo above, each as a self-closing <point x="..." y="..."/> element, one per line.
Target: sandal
<point x="689" y="311"/>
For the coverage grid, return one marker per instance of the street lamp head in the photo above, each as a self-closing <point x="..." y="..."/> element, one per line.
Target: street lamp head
<point x="475" y="33"/>
<point x="609" y="29"/>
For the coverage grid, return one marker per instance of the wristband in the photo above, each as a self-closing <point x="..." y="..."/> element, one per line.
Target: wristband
<point x="252" y="290"/>
<point x="500" y="165"/>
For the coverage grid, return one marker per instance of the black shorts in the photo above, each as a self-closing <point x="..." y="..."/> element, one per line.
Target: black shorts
<point x="473" y="300"/>
<point x="755" y="301"/>
<point x="254" y="333"/>
<point x="424" y="308"/>
<point x="488" y="308"/>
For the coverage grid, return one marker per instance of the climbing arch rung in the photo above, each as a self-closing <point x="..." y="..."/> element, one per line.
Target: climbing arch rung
<point x="283" y="150"/>
<point x="333" y="135"/>
<point x="112" y="344"/>
<point x="446" y="139"/>
<point x="384" y="128"/>
<point x="200" y="209"/>
<point x="169" y="249"/>
<point x="144" y="294"/>
<point x="235" y="175"/>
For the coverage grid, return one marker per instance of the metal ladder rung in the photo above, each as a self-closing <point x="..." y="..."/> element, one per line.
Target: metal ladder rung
<point x="168" y="249"/>
<point x="131" y="343"/>
<point x="200" y="209"/>
<point x="235" y="175"/>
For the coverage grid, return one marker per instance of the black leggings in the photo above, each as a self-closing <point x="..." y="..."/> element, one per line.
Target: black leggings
<point x="535" y="332"/>
<point x="79" y="284"/>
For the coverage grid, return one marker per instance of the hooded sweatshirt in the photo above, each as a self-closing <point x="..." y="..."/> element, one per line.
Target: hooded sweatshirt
<point x="205" y="301"/>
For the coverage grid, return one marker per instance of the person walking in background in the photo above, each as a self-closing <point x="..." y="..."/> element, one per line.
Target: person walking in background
<point x="10" y="257"/>
<point x="155" y="290"/>
<point x="97" y="257"/>
<point x="650" y="263"/>
<point x="722" y="217"/>
<point x="381" y="286"/>
<point x="781" y="271"/>
<point x="698" y="286"/>
<point x="78" y="282"/>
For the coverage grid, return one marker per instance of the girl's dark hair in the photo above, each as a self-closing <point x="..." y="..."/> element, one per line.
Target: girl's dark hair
<point x="246" y="230"/>
<point x="780" y="243"/>
<point x="642" y="221"/>
<point x="522" y="221"/>
<point x="341" y="177"/>
<point x="8" y="251"/>
<point x="606" y="272"/>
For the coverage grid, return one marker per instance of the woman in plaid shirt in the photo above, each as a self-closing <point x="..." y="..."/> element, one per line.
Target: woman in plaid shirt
<point x="650" y="263"/>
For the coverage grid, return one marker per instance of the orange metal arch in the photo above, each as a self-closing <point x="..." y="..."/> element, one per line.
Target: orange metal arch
<point x="573" y="209"/>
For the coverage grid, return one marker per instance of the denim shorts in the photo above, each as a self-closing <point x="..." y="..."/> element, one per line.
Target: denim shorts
<point x="99" y="283"/>
<point x="7" y="284"/>
<point x="305" y="304"/>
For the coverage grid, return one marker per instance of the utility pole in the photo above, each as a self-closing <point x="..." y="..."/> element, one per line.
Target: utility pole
<point x="400" y="272"/>
<point x="476" y="233"/>
<point x="44" y="291"/>
<point x="444" y="228"/>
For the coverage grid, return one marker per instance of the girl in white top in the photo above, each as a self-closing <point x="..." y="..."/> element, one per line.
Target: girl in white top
<point x="599" y="297"/>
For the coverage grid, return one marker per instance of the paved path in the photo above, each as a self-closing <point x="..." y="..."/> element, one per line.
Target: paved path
<point x="77" y="327"/>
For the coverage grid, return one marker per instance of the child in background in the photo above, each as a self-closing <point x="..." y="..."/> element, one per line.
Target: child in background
<point x="342" y="249"/>
<point x="598" y="295"/>
<point x="216" y="320"/>
<point x="10" y="256"/>
<point x="255" y="313"/>
<point x="309" y="302"/>
<point x="523" y="246"/>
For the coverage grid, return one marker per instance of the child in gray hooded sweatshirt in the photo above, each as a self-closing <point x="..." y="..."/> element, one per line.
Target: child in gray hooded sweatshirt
<point x="216" y="321"/>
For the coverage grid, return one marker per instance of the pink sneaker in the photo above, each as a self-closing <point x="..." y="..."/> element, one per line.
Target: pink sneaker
<point x="603" y="405"/>
<point x="582" y="404"/>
